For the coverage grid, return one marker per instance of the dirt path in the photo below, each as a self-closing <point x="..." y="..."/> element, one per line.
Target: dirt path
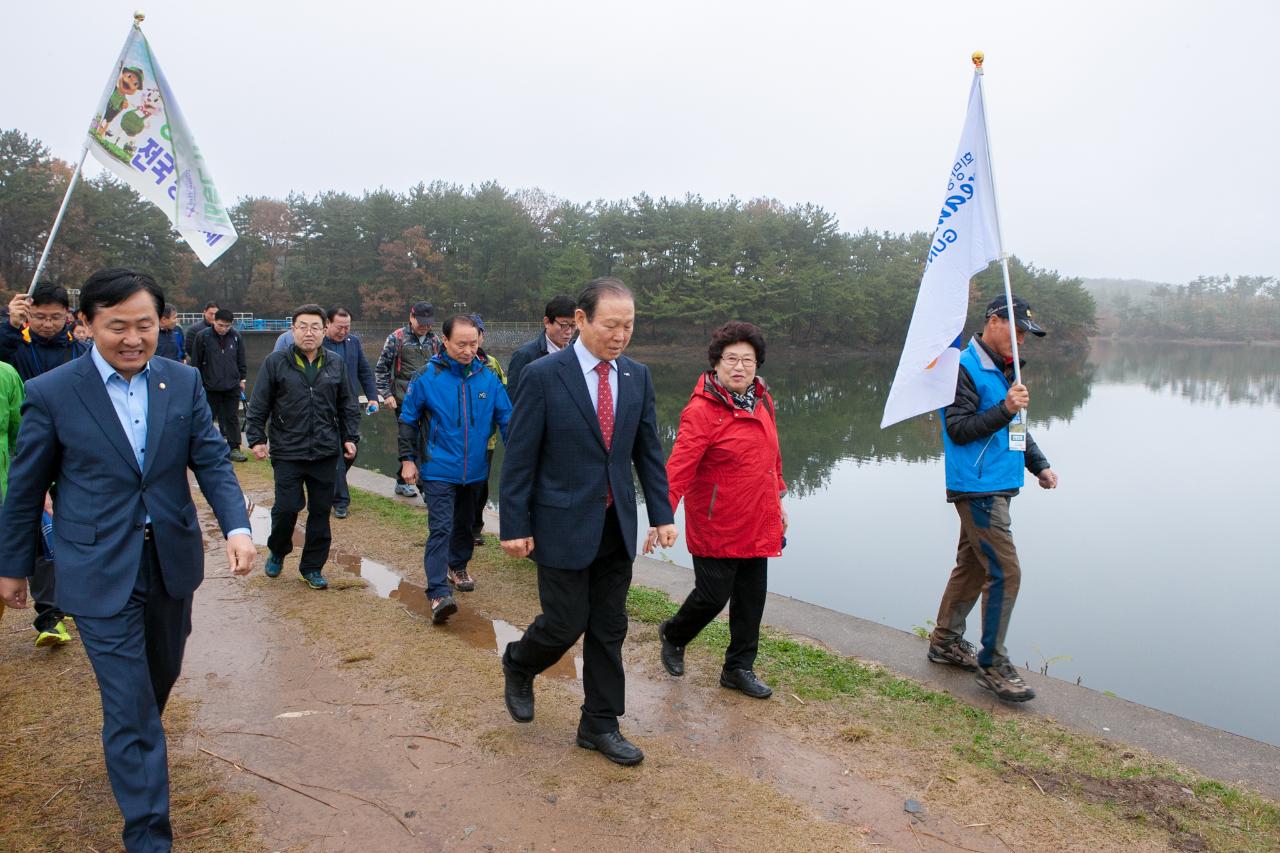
<point x="359" y="763"/>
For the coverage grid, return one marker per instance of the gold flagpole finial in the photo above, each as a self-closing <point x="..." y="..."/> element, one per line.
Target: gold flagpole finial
<point x="138" y="18"/>
<point x="978" y="57"/>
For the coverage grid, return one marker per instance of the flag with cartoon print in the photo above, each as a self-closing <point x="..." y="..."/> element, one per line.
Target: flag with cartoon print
<point x="967" y="239"/>
<point x="140" y="135"/>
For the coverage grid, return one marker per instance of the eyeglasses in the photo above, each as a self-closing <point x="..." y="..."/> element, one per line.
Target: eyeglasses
<point x="566" y="325"/>
<point x="735" y="360"/>
<point x="309" y="327"/>
<point x="49" y="318"/>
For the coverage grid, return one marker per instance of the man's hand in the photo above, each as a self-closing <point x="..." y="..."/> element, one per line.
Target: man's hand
<point x="259" y="451"/>
<point x="665" y="536"/>
<point x="1017" y="398"/>
<point x="348" y="450"/>
<point x="1048" y="479"/>
<point x="409" y="472"/>
<point x="784" y="519"/>
<point x="13" y="592"/>
<point x="240" y="554"/>
<point x="518" y="547"/>
<point x="390" y="403"/>
<point x="19" y="307"/>
<point x="242" y="384"/>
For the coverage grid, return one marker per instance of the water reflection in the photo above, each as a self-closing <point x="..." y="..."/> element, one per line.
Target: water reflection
<point x="1220" y="374"/>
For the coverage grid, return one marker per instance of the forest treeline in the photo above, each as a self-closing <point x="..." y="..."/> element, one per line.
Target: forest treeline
<point x="1210" y="307"/>
<point x="692" y="263"/>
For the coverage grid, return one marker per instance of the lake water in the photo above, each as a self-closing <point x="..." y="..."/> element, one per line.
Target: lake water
<point x="1150" y="572"/>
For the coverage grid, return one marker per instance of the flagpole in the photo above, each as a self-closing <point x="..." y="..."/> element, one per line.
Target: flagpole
<point x="57" y="222"/>
<point x="978" y="58"/>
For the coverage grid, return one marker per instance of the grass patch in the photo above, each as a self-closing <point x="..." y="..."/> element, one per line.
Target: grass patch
<point x="807" y="670"/>
<point x="410" y="519"/>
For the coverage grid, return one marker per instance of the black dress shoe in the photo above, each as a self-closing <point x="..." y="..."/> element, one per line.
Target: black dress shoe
<point x="672" y="655"/>
<point x="612" y="745"/>
<point x="745" y="680"/>
<point x="518" y="693"/>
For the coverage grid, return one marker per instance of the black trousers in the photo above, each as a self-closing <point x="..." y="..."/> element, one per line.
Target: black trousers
<point x="317" y="476"/>
<point x="740" y="583"/>
<point x="225" y="406"/>
<point x="590" y="601"/>
<point x="43" y="588"/>
<point x="480" y="492"/>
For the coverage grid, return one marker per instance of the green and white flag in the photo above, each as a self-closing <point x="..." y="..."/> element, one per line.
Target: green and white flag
<point x="139" y="133"/>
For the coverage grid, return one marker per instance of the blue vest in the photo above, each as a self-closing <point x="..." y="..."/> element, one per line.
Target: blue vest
<point x="985" y="465"/>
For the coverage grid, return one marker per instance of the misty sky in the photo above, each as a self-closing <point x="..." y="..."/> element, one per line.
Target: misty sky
<point x="1134" y="140"/>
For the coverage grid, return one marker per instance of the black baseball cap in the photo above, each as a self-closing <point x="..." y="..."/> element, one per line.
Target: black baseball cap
<point x="998" y="307"/>
<point x="423" y="312"/>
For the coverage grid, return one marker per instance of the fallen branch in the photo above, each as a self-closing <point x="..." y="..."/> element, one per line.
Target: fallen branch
<point x="431" y="737"/>
<point x="385" y="809"/>
<point x="256" y="734"/>
<point x="253" y="772"/>
<point x="54" y="797"/>
<point x="945" y="841"/>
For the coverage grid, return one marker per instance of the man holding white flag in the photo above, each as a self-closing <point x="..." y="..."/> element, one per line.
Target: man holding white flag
<point x="983" y="395"/>
<point x="983" y="475"/>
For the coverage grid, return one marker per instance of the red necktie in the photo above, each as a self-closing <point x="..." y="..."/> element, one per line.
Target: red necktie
<point x="604" y="413"/>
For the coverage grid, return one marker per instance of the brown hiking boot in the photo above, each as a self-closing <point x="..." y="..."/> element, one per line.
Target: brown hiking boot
<point x="959" y="653"/>
<point x="1004" y="681"/>
<point x="462" y="580"/>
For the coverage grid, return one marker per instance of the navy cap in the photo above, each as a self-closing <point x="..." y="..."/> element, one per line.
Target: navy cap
<point x="998" y="307"/>
<point x="423" y="312"/>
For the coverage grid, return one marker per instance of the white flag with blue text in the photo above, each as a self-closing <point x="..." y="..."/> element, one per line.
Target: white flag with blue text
<point x="140" y="134"/>
<point x="965" y="242"/>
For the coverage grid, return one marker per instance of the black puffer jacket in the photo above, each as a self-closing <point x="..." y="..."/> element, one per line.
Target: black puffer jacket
<point x="220" y="359"/>
<point x="305" y="420"/>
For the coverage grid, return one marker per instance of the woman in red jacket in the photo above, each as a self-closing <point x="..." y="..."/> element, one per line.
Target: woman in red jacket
<point x="727" y="466"/>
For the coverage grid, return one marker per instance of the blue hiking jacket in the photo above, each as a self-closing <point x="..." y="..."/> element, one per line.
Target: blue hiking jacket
<point x="447" y="416"/>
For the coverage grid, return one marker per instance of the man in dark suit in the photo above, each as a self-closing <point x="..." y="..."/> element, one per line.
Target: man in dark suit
<point x="116" y="432"/>
<point x="558" y="328"/>
<point x="584" y="416"/>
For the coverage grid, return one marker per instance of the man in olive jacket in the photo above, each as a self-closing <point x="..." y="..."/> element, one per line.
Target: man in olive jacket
<point x="304" y="394"/>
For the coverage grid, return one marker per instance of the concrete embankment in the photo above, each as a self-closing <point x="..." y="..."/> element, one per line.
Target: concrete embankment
<point x="1210" y="751"/>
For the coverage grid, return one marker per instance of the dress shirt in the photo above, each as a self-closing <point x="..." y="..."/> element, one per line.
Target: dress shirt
<point x="131" y="400"/>
<point x="551" y="345"/>
<point x="588" y="363"/>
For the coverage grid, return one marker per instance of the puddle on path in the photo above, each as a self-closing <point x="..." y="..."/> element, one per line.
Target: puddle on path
<point x="476" y="630"/>
<point x="480" y="631"/>
<point x="383" y="580"/>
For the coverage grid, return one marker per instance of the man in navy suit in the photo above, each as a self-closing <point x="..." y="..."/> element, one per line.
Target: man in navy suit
<point x="584" y="415"/>
<point x="114" y="433"/>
